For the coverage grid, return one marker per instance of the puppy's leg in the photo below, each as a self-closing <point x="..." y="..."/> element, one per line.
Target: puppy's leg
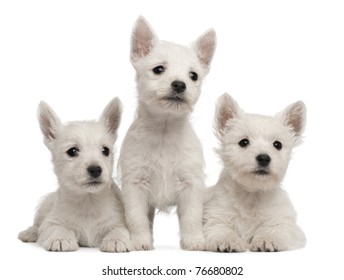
<point x="56" y="238"/>
<point x="136" y="213"/>
<point x="189" y="209"/>
<point x="31" y="233"/>
<point x="221" y="238"/>
<point x="277" y="236"/>
<point x="117" y="240"/>
<point x="151" y="215"/>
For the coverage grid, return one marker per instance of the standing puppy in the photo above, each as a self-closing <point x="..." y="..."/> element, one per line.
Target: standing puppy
<point x="248" y="209"/>
<point x="161" y="157"/>
<point x="87" y="208"/>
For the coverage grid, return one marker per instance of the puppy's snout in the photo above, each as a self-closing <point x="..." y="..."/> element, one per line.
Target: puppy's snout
<point x="263" y="160"/>
<point x="94" y="170"/>
<point x="178" y="86"/>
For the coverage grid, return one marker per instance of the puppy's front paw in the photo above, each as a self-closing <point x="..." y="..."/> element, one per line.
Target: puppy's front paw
<point x="229" y="244"/>
<point x="114" y="245"/>
<point x="142" y="242"/>
<point x="29" y="235"/>
<point x="193" y="243"/>
<point x="61" y="245"/>
<point x="266" y="244"/>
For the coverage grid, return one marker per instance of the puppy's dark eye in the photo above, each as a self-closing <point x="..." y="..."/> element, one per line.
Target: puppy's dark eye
<point x="244" y="143"/>
<point x="106" y="151"/>
<point x="73" y="152"/>
<point x="193" y="76"/>
<point x="159" y="70"/>
<point x="277" y="145"/>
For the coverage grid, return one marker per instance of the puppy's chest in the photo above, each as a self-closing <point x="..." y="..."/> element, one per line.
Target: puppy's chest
<point x="90" y="225"/>
<point x="167" y="179"/>
<point x="170" y="167"/>
<point x="164" y="150"/>
<point x="250" y="216"/>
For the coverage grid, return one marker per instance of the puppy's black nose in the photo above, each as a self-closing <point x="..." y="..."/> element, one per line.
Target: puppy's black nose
<point x="178" y="86"/>
<point x="94" y="170"/>
<point x="263" y="160"/>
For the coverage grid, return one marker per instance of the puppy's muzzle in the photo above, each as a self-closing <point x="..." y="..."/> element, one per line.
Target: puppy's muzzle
<point x="177" y="93"/>
<point x="94" y="171"/>
<point x="178" y="87"/>
<point x="263" y="160"/>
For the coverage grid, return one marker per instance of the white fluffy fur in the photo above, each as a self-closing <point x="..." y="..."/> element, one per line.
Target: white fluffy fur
<point x="161" y="158"/>
<point x="84" y="211"/>
<point x="246" y="210"/>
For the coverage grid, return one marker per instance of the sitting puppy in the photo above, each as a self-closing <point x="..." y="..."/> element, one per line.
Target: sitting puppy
<point x="161" y="158"/>
<point x="247" y="208"/>
<point x="87" y="208"/>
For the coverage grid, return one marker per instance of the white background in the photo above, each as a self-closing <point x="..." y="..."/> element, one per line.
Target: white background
<point x="75" y="56"/>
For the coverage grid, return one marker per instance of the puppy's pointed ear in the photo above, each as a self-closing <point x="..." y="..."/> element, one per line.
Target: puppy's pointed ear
<point x="49" y="122"/>
<point x="111" y="115"/>
<point x="143" y="39"/>
<point x="226" y="110"/>
<point x="294" y="117"/>
<point x="205" y="46"/>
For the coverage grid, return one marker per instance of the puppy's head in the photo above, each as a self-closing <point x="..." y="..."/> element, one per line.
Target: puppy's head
<point x="169" y="76"/>
<point x="256" y="149"/>
<point x="82" y="152"/>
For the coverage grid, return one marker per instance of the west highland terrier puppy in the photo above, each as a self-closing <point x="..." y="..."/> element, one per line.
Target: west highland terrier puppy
<point x="161" y="157"/>
<point x="247" y="208"/>
<point x="87" y="208"/>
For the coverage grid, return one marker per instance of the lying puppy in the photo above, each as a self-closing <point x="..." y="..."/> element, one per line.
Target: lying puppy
<point x="87" y="208"/>
<point x="247" y="208"/>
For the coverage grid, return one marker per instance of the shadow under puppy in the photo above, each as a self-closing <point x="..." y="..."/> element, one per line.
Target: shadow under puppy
<point x="87" y="208"/>
<point x="161" y="158"/>
<point x="247" y="208"/>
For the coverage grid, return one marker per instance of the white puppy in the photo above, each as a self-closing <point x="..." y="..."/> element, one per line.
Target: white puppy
<point x="87" y="208"/>
<point x="247" y="209"/>
<point x="161" y="157"/>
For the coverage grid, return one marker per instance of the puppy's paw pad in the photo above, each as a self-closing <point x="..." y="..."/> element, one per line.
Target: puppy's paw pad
<point x="111" y="246"/>
<point x="62" y="245"/>
<point x="143" y="246"/>
<point x="142" y="243"/>
<point x="261" y="244"/>
<point x="193" y="243"/>
<point x="29" y="235"/>
<point x="227" y="245"/>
